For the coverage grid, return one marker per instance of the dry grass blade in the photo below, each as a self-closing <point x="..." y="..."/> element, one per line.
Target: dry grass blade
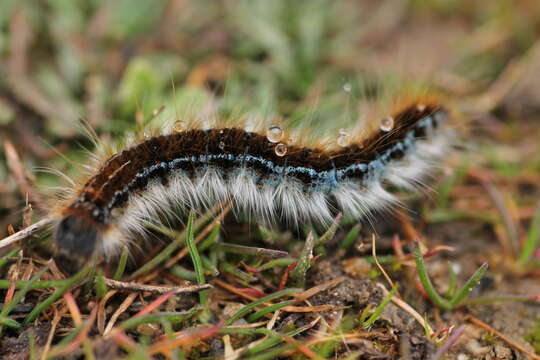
<point x="381" y="269"/>
<point x="21" y="177"/>
<point x="185" y="339"/>
<point x="301" y="347"/>
<point x="306" y="309"/>
<point x="102" y="310"/>
<point x="253" y="251"/>
<point x="73" y="308"/>
<point x="456" y="334"/>
<point x="154" y="304"/>
<point x="122" y="308"/>
<point x="75" y="344"/>
<point x="317" y="289"/>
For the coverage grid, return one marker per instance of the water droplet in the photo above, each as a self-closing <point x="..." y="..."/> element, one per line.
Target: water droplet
<point x="421" y="107"/>
<point x="387" y="124"/>
<point x="274" y="134"/>
<point x="343" y="138"/>
<point x="221" y="145"/>
<point x="347" y="87"/>
<point x="179" y="126"/>
<point x="280" y="149"/>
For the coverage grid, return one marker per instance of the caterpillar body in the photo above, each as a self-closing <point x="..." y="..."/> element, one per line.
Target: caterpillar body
<point x="258" y="172"/>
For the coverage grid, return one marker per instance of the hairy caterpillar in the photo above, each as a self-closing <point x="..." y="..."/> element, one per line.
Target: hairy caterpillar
<point x="259" y="172"/>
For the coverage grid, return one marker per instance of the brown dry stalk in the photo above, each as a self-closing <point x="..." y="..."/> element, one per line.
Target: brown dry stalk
<point x="123" y="307"/>
<point x="316" y="289"/>
<point x="20" y="174"/>
<point x="133" y="286"/>
<point x="102" y="313"/>
<point x="306" y="309"/>
<point x="26" y="232"/>
<point x="409" y="309"/>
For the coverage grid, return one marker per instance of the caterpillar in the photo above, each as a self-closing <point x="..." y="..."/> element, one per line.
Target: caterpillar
<point x="259" y="172"/>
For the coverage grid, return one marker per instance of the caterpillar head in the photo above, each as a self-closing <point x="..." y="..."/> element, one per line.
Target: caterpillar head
<point x="76" y="237"/>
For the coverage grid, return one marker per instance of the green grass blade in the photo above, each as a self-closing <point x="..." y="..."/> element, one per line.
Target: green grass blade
<point x="178" y="241"/>
<point x="379" y="309"/>
<point x="276" y="263"/>
<point x="171" y="317"/>
<point x="67" y="284"/>
<point x="121" y="264"/>
<point x="9" y="322"/>
<point x="298" y="275"/>
<point x="469" y="285"/>
<point x="269" y="309"/>
<point x="196" y="258"/>
<point x="329" y="234"/>
<point x="19" y="284"/>
<point x="258" y="302"/>
<point x="351" y="237"/>
<point x="211" y="239"/>
<point x="426" y="282"/>
<point x="6" y="258"/>
<point x="532" y="238"/>
<point x="6" y="309"/>
<point x="101" y="286"/>
<point x="183" y="273"/>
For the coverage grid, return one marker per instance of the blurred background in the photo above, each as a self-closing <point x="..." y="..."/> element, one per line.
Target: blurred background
<point x="116" y="64"/>
<point x="113" y="64"/>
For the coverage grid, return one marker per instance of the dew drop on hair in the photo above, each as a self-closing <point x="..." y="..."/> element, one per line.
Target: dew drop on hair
<point x="387" y="124"/>
<point x="280" y="149"/>
<point x="274" y="134"/>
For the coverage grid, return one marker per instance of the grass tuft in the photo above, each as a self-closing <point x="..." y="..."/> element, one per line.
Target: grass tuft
<point x="251" y="306"/>
<point x="461" y="294"/>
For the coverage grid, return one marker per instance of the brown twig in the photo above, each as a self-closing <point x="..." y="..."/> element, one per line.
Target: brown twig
<point x="132" y="286"/>
<point x="26" y="232"/>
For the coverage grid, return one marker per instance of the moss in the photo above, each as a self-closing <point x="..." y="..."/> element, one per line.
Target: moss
<point x="533" y="336"/>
